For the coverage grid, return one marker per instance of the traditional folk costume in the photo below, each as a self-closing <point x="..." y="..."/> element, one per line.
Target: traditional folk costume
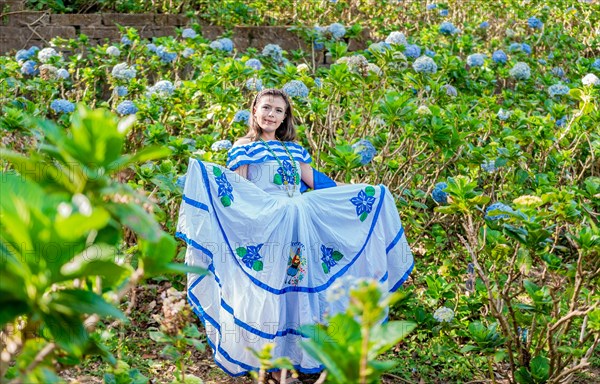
<point x="273" y="253"/>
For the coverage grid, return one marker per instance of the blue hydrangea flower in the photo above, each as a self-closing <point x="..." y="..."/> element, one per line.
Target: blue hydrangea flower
<point x="499" y="56"/>
<point x="164" y="55"/>
<point x="558" y="71"/>
<point x="596" y="64"/>
<point x="336" y="30"/>
<point x="188" y="33"/>
<point x="151" y="47"/>
<point x="227" y="44"/>
<point x="558" y="89"/>
<point x="162" y="88"/>
<point x="475" y="60"/>
<point x="450" y="90"/>
<point x="113" y="51"/>
<point x="430" y="7"/>
<point x="562" y="121"/>
<point x="504" y="115"/>
<point x="295" y="88"/>
<point x="221" y="145"/>
<point x="448" y="28"/>
<point x="526" y="48"/>
<point x="62" y="74"/>
<point x="365" y="149"/>
<point x="23" y="55"/>
<point x="187" y="52"/>
<point x="542" y="61"/>
<point x="62" y="106"/>
<point x="241" y="116"/>
<point x="498" y="207"/>
<point x="121" y="90"/>
<point x="489" y="166"/>
<point x="484" y="25"/>
<point x="318" y="82"/>
<point x="254" y="84"/>
<point x="425" y="64"/>
<point x="126" y="40"/>
<point x="123" y="72"/>
<point x="438" y="195"/>
<point x="46" y="54"/>
<point x="396" y="38"/>
<point x="273" y="51"/>
<point x="254" y="64"/>
<point x="534" y="23"/>
<point x="127" y="107"/>
<point x="317" y="45"/>
<point x="443" y="12"/>
<point x="412" y="50"/>
<point x="28" y="68"/>
<point x="520" y="71"/>
<point x="514" y="47"/>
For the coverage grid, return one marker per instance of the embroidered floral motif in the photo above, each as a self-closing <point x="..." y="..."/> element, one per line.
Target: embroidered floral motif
<point x="250" y="256"/>
<point x="286" y="173"/>
<point x="225" y="191"/>
<point x="296" y="264"/>
<point x="364" y="202"/>
<point x="330" y="258"/>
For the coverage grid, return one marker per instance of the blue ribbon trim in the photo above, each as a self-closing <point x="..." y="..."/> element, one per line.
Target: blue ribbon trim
<point x="195" y="203"/>
<point x="204" y="317"/>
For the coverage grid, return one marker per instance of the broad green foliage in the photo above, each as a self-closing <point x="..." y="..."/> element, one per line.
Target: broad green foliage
<point x="64" y="266"/>
<point x="350" y="343"/>
<point x="493" y="163"/>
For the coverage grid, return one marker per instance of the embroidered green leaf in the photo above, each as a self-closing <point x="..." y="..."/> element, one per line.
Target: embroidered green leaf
<point x="363" y="216"/>
<point x="370" y="191"/>
<point x="226" y="201"/>
<point x="217" y="171"/>
<point x="241" y="251"/>
<point x="337" y="255"/>
<point x="277" y="180"/>
<point x="325" y="268"/>
<point x="257" y="265"/>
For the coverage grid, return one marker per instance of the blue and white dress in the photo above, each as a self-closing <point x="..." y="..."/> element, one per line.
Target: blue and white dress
<point x="273" y="258"/>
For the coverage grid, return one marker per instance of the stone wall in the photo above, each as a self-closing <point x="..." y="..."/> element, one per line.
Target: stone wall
<point x="20" y="29"/>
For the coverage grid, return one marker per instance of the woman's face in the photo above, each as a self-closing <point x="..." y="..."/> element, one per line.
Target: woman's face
<point x="269" y="113"/>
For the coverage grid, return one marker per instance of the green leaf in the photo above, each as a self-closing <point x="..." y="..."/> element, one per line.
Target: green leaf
<point x="337" y="255"/>
<point x="77" y="225"/>
<point x="540" y="369"/>
<point x="257" y="265"/>
<point x="226" y="201"/>
<point x="134" y="217"/>
<point x="241" y="251"/>
<point x="157" y="254"/>
<point x="389" y="334"/>
<point x="217" y="171"/>
<point x="77" y="301"/>
<point x="160" y="337"/>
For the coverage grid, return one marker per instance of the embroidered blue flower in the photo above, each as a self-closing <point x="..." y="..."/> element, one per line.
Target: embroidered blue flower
<point x="252" y="255"/>
<point x="287" y="172"/>
<point x="225" y="188"/>
<point x="364" y="202"/>
<point x="327" y="256"/>
<point x="225" y="191"/>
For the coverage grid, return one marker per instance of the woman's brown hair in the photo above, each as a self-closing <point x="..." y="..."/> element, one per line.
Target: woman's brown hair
<point x="286" y="131"/>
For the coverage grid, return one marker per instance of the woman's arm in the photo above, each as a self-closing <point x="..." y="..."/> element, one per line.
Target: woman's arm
<point x="307" y="175"/>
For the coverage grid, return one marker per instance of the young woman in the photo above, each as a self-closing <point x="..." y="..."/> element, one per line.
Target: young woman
<point x="273" y="253"/>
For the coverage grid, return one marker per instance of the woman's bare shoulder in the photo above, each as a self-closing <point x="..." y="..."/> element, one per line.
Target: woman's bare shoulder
<point x="242" y="141"/>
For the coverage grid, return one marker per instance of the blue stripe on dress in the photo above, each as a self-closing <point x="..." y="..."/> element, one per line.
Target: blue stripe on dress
<point x="290" y="288"/>
<point x="204" y="317"/>
<point x="195" y="203"/>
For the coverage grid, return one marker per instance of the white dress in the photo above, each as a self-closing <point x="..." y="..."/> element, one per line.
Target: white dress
<point x="273" y="258"/>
